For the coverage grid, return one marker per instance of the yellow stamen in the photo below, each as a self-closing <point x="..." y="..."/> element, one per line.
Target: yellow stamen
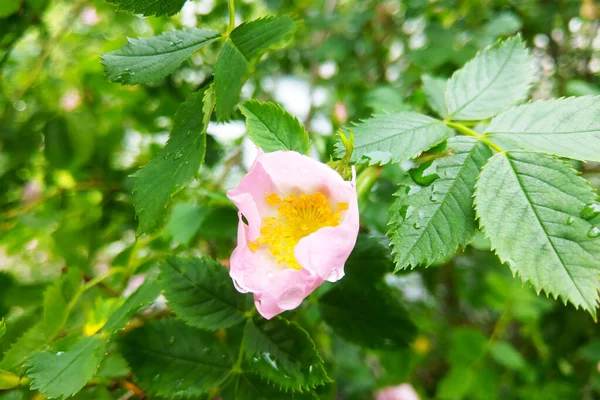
<point x="298" y="217"/>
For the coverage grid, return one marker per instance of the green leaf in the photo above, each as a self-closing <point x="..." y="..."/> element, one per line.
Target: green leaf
<point x="506" y="355"/>
<point x="246" y="44"/>
<point x="456" y="384"/>
<point x="256" y="37"/>
<point x="247" y="386"/>
<point x="9" y="7"/>
<point x="112" y="367"/>
<point x="391" y="138"/>
<point x="150" y="59"/>
<point x="369" y="315"/>
<point x="530" y="206"/>
<point x="185" y="221"/>
<point x="272" y="128"/>
<point x="149" y="7"/>
<point x="494" y="80"/>
<point x="174" y="360"/>
<point x="427" y="224"/>
<point x="564" y="127"/>
<point x="57" y="303"/>
<point x="141" y="298"/>
<point x="370" y="259"/>
<point x="434" y="89"/>
<point x="283" y="353"/>
<point x="201" y="293"/>
<point x="60" y="375"/>
<point x="176" y="165"/>
<point x="231" y="71"/>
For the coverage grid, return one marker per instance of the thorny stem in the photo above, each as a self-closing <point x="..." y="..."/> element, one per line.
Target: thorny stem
<point x="469" y="132"/>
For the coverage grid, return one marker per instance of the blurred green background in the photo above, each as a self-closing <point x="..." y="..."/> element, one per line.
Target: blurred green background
<point x="69" y="141"/>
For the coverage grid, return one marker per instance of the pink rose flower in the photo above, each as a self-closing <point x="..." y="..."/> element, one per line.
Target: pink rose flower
<point x="301" y="223"/>
<point x="401" y="392"/>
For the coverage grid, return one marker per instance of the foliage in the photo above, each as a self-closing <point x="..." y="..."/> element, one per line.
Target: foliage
<point x="472" y="128"/>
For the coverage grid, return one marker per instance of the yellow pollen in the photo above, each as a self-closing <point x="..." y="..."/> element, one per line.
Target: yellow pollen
<point x="299" y="216"/>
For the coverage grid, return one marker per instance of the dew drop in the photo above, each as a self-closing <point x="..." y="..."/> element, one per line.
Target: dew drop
<point x="60" y="353"/>
<point x="416" y="226"/>
<point x="406" y="211"/>
<point x="270" y="360"/>
<point x="176" y="43"/>
<point x="570" y="220"/>
<point x="594" y="232"/>
<point x="178" y="155"/>
<point x="172" y="340"/>
<point x="590" y="211"/>
<point x="414" y="189"/>
<point x="334" y="276"/>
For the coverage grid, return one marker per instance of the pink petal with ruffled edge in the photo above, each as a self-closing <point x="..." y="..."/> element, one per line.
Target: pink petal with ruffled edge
<point x="322" y="254"/>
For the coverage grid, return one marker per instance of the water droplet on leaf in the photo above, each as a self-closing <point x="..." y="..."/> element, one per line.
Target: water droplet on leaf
<point x="570" y="220"/>
<point x="406" y="211"/>
<point x="590" y="211"/>
<point x="594" y="232"/>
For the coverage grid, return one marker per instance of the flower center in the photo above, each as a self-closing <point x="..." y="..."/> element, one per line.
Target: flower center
<point x="298" y="217"/>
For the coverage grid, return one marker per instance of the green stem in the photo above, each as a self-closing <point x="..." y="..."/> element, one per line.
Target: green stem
<point x="231" y="5"/>
<point x="365" y="181"/>
<point x="469" y="132"/>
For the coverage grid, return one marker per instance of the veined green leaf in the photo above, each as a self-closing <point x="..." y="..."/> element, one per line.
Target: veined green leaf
<point x="272" y="128"/>
<point x="174" y="360"/>
<point x="200" y="291"/>
<point x="283" y="353"/>
<point x="231" y="71"/>
<point x="60" y="375"/>
<point x="530" y="206"/>
<point x="563" y="127"/>
<point x="142" y="297"/>
<point x="247" y="386"/>
<point x="175" y="167"/>
<point x="435" y="93"/>
<point x="494" y="80"/>
<point x="393" y="137"/>
<point x="427" y="224"/>
<point x="254" y="38"/>
<point x="150" y="59"/>
<point x="245" y="45"/>
<point x="149" y="7"/>
<point x="369" y="315"/>
<point x="57" y="304"/>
